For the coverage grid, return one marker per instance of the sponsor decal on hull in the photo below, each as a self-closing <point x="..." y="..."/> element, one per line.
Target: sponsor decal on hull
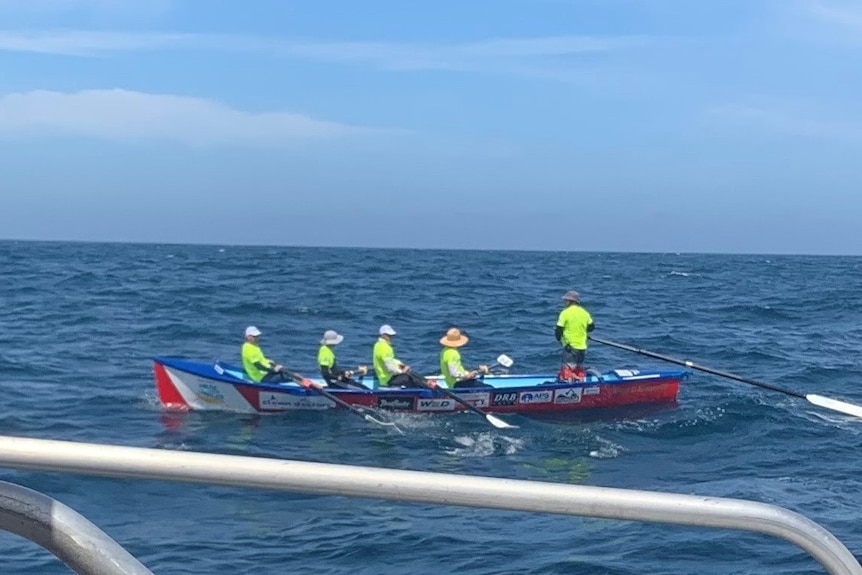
<point x="269" y="400"/>
<point x="435" y="404"/>
<point x="568" y="395"/>
<point x="395" y="402"/>
<point x="592" y="390"/>
<point x="540" y="396"/>
<point x="504" y="398"/>
<point x="209" y="393"/>
<point x="475" y="399"/>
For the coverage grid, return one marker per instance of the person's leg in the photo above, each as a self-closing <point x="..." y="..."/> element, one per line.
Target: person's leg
<point x="471" y="383"/>
<point x="573" y="358"/>
<point x="352" y="384"/>
<point x="573" y="364"/>
<point x="409" y="379"/>
<point x="276" y="377"/>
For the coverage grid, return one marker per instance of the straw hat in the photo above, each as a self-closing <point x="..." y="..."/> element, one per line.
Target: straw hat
<point x="454" y="338"/>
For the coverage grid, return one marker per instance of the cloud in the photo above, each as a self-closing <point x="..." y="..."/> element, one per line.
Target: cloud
<point x="124" y="115"/>
<point x="501" y="53"/>
<point x="458" y="56"/>
<point x="784" y="118"/>
<point x="81" y="43"/>
<point x="845" y="15"/>
<point x="44" y="7"/>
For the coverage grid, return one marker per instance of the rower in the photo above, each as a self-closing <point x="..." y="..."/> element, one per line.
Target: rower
<point x="332" y="374"/>
<point x="390" y="371"/>
<point x="450" y="362"/>
<point x="257" y="366"/>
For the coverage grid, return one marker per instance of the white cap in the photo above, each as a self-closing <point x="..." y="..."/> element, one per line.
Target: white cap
<point x="386" y="329"/>
<point x="251" y="330"/>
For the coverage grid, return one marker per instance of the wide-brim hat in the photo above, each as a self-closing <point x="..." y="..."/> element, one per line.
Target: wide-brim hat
<point x="572" y="296"/>
<point x="454" y="338"/>
<point x="331" y="337"/>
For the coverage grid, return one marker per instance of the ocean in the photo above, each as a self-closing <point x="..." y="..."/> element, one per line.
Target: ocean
<point x="80" y="322"/>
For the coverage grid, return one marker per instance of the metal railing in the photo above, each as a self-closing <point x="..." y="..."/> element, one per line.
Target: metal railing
<point x="427" y="487"/>
<point x="82" y="546"/>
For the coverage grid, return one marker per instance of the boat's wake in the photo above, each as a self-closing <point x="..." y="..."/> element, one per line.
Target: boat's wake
<point x="607" y="449"/>
<point x="484" y="444"/>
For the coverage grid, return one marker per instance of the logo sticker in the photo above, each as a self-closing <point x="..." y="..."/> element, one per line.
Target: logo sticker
<point x="568" y="395"/>
<point x="505" y="398"/>
<point x="433" y="404"/>
<point x="210" y="393"/>
<point x="592" y="390"/>
<point x="536" y="396"/>
<point x="396" y="402"/>
<point x="475" y="399"/>
<point x="268" y="400"/>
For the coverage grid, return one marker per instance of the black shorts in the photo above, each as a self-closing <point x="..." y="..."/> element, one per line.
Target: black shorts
<point x="573" y="357"/>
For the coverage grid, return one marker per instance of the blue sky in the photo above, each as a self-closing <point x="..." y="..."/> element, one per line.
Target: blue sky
<point x="623" y="125"/>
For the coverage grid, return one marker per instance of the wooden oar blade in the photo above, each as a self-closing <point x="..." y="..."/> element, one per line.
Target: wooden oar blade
<point x="499" y="423"/>
<point x="835" y="405"/>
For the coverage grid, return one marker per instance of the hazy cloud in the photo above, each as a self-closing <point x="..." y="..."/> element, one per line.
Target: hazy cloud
<point x="492" y="53"/>
<point x="122" y="114"/>
<point x="786" y="118"/>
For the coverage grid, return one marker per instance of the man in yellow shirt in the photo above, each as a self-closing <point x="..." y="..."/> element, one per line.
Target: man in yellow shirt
<point x="257" y="366"/>
<point x="390" y="371"/>
<point x="450" y="362"/>
<point x="571" y="331"/>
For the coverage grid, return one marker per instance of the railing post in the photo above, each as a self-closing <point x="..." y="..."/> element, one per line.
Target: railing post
<point x="85" y="548"/>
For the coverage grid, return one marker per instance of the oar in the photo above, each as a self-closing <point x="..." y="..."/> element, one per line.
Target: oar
<point x="503" y="360"/>
<point x="308" y="384"/>
<point x="819" y="400"/>
<point x="495" y="421"/>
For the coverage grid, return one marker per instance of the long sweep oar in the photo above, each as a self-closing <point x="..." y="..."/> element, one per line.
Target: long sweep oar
<point x="308" y="384"/>
<point x="819" y="400"/>
<point x="503" y="360"/>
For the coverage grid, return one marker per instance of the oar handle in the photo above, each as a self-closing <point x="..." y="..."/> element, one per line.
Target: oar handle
<point x="692" y="365"/>
<point x="308" y="384"/>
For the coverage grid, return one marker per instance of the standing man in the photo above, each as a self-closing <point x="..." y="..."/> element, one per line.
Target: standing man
<point x="572" y="328"/>
<point x="392" y="372"/>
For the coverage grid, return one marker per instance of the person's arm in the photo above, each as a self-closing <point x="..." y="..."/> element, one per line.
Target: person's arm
<point x="590" y="327"/>
<point x="453" y="369"/>
<point x="262" y="363"/>
<point x="393" y="365"/>
<point x="558" y="333"/>
<point x="341" y="374"/>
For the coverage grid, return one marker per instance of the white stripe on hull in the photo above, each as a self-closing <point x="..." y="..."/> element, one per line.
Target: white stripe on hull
<point x="208" y="395"/>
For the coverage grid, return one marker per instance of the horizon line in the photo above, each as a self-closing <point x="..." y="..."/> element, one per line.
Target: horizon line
<point x="427" y="248"/>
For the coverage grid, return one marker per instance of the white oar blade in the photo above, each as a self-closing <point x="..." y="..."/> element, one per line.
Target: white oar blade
<point x="505" y="360"/>
<point x="498" y="423"/>
<point x="383" y="423"/>
<point x="835" y="405"/>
